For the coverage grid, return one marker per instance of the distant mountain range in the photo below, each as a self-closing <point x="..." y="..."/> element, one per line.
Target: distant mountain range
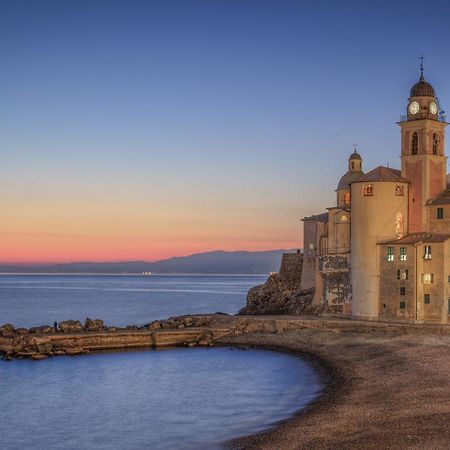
<point x="219" y="262"/>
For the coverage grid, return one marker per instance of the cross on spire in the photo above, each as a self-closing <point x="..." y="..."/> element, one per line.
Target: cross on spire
<point x="421" y="64"/>
<point x="355" y="146"/>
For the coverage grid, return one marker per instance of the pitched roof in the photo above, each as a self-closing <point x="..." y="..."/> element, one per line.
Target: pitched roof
<point x="441" y="199"/>
<point x="416" y="238"/>
<point x="382" y="173"/>
<point x="318" y="218"/>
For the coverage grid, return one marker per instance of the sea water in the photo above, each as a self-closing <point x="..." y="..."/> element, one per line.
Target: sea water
<point x="33" y="300"/>
<point x="162" y="400"/>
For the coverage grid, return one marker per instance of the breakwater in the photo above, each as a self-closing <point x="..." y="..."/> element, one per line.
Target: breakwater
<point x="72" y="338"/>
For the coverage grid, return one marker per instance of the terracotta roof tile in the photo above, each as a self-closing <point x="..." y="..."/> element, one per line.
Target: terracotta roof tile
<point x="416" y="238"/>
<point x="382" y="173"/>
<point x="441" y="199"/>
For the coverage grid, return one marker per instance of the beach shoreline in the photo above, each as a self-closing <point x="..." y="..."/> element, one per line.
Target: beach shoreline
<point x="393" y="398"/>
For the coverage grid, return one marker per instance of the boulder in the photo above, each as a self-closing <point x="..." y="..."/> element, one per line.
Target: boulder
<point x="44" y="329"/>
<point x="7" y="330"/>
<point x="71" y="326"/>
<point x="156" y="325"/>
<point x="21" y="331"/>
<point x="94" y="325"/>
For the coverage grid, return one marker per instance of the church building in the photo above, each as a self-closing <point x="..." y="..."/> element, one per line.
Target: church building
<point x="383" y="250"/>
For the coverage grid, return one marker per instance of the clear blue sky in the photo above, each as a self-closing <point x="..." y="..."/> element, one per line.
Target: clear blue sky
<point x="211" y="124"/>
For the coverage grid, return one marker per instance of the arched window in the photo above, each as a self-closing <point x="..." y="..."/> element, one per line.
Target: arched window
<point x="435" y="144"/>
<point x="415" y="143"/>
<point x="353" y="165"/>
<point x="347" y="198"/>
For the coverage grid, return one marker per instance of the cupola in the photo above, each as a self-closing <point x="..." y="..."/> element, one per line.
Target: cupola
<point x="422" y="103"/>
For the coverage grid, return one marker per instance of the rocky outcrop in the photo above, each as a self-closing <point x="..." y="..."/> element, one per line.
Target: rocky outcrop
<point x="177" y="322"/>
<point x="282" y="292"/>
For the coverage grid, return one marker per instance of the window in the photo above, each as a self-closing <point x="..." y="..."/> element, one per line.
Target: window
<point x="427" y="252"/>
<point x="402" y="274"/>
<point x="403" y="290"/>
<point x="435" y="143"/>
<point x="390" y="253"/>
<point x="449" y="278"/>
<point x="448" y="309"/>
<point x="399" y="190"/>
<point x="415" y="143"/>
<point x="368" y="189"/>
<point x="402" y="305"/>
<point x="347" y="198"/>
<point x="402" y="253"/>
<point x="427" y="278"/>
<point x="426" y="299"/>
<point x="439" y="213"/>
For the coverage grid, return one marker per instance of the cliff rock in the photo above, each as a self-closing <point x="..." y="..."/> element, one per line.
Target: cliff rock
<point x="282" y="292"/>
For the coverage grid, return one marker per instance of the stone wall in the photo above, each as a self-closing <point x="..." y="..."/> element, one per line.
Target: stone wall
<point x="337" y="286"/>
<point x="291" y="268"/>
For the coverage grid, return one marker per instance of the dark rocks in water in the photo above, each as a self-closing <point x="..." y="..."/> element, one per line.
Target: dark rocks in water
<point x="76" y="351"/>
<point x="94" y="325"/>
<point x="71" y="326"/>
<point x="39" y="356"/>
<point x="44" y="329"/>
<point x="7" y="330"/>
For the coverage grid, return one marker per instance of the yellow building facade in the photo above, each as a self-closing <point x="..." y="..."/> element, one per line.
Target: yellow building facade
<point x="383" y="250"/>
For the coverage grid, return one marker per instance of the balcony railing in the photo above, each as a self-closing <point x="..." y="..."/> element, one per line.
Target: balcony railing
<point x="441" y="117"/>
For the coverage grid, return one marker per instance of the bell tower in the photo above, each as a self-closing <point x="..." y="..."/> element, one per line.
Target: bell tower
<point x="424" y="163"/>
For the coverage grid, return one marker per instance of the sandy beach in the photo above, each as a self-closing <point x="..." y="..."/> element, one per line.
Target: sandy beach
<point x="383" y="391"/>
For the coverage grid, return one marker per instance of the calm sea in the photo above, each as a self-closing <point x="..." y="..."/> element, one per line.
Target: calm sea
<point x="33" y="300"/>
<point x="161" y="400"/>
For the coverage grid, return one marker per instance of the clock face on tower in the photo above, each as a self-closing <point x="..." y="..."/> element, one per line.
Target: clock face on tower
<point x="414" y="108"/>
<point x="433" y="108"/>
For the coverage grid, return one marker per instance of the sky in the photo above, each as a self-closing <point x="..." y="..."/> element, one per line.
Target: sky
<point x="140" y="130"/>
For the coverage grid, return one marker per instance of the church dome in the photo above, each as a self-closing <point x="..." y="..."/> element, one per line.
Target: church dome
<point x="348" y="178"/>
<point x="422" y="89"/>
<point x="355" y="155"/>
